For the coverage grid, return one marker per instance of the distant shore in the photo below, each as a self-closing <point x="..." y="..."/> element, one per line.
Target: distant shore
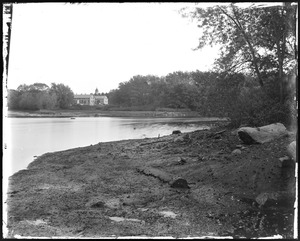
<point x="108" y="113"/>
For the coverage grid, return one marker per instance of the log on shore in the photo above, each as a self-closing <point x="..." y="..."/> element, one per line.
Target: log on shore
<point x="260" y="135"/>
<point x="174" y="182"/>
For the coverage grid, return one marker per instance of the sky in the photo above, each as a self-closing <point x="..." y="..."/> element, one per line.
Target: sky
<point x="98" y="45"/>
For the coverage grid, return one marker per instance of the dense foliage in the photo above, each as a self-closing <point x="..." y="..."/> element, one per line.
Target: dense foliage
<point x="40" y="96"/>
<point x="258" y="42"/>
<point x="234" y="95"/>
<point x="253" y="40"/>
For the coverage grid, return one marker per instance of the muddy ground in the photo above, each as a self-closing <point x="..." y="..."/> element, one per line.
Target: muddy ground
<point x="100" y="190"/>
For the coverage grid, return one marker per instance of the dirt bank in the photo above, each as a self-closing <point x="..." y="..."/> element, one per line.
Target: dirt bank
<point x="100" y="190"/>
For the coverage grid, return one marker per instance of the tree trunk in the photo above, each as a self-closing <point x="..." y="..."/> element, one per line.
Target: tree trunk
<point x="254" y="60"/>
<point x="246" y="37"/>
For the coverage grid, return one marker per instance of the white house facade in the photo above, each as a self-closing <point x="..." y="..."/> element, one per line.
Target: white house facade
<point x="90" y="99"/>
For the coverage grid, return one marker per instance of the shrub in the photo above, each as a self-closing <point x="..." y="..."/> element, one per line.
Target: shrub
<point x="256" y="107"/>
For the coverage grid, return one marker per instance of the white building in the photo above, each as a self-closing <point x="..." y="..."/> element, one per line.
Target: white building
<point x="91" y="99"/>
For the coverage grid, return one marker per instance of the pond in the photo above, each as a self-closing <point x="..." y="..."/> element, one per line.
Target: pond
<point x="27" y="138"/>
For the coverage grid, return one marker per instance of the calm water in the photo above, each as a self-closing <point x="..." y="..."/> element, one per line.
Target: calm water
<point x="29" y="137"/>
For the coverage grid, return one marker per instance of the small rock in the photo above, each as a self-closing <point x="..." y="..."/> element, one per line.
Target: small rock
<point x="179" y="139"/>
<point x="236" y="152"/>
<point x="176" y="132"/>
<point x="285" y="158"/>
<point x="203" y="158"/>
<point x="120" y="219"/>
<point x="180" y="183"/>
<point x="98" y="205"/>
<point x="124" y="155"/>
<point x="286" y="161"/>
<point x="262" y="198"/>
<point x="181" y="161"/>
<point x="37" y="222"/>
<point x="168" y="214"/>
<point x="143" y="209"/>
<point x="239" y="146"/>
<point x="275" y="199"/>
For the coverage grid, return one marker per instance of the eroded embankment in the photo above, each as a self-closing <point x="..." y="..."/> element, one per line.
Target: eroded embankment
<point x="100" y="190"/>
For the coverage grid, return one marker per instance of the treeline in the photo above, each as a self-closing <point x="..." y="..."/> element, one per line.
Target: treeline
<point x="234" y="95"/>
<point x="40" y="96"/>
<point x="253" y="81"/>
<point x="254" y="77"/>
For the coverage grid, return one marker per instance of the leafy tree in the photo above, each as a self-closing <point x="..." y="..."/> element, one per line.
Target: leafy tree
<point x="278" y="37"/>
<point x="40" y="96"/>
<point x="64" y="95"/>
<point x="40" y="86"/>
<point x="23" y="88"/>
<point x="28" y="101"/>
<point x="13" y="98"/>
<point x="251" y="39"/>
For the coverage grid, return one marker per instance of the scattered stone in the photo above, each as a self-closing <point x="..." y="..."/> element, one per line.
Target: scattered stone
<point x="239" y="146"/>
<point x="285" y="158"/>
<point x="143" y="209"/>
<point x="179" y="139"/>
<point x="182" y="138"/>
<point x="99" y="204"/>
<point x="176" y="132"/>
<point x="275" y="199"/>
<point x="286" y="161"/>
<point x="124" y="155"/>
<point x="113" y="203"/>
<point x="181" y="161"/>
<point x="202" y="158"/>
<point x="292" y="150"/>
<point x="262" y="134"/>
<point x="236" y="152"/>
<point x="120" y="219"/>
<point x="262" y="198"/>
<point x="179" y="183"/>
<point x="168" y="214"/>
<point x="36" y="222"/>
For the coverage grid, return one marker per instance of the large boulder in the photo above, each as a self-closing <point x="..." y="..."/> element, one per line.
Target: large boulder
<point x="250" y="135"/>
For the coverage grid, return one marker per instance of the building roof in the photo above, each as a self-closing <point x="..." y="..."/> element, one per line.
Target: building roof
<point x="100" y="96"/>
<point x="82" y="96"/>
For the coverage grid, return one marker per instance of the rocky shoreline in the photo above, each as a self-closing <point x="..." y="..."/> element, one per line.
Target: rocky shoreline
<point x="203" y="183"/>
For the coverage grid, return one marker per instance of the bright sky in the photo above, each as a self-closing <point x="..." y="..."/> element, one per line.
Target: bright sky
<point x="100" y="45"/>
